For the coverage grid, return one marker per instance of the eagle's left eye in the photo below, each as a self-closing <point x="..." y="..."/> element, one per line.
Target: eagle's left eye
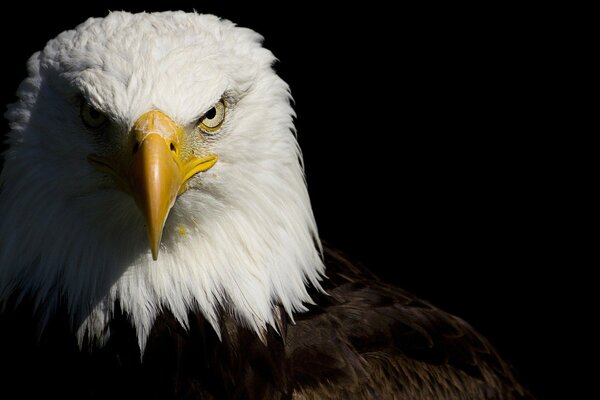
<point x="212" y="120"/>
<point x="91" y="117"/>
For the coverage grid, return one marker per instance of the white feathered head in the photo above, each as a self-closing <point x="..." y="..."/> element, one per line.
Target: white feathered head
<point x="152" y="162"/>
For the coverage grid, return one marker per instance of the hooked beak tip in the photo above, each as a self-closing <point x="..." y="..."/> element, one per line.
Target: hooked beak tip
<point x="155" y="253"/>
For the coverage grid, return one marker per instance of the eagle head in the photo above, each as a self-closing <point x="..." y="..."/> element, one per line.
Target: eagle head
<point x="152" y="163"/>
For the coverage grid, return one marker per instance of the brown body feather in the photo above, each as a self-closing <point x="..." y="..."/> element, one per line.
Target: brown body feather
<point x="363" y="340"/>
<point x="374" y="341"/>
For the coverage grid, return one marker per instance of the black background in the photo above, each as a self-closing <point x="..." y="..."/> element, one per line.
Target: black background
<point x="424" y="158"/>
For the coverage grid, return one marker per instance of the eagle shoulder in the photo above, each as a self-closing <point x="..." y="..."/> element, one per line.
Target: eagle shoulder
<point x="367" y="339"/>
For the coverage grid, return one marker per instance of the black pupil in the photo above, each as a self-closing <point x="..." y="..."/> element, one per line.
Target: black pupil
<point x="94" y="114"/>
<point x="210" y="114"/>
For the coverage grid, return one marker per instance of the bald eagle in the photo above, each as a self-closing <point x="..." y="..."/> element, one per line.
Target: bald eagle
<point x="157" y="238"/>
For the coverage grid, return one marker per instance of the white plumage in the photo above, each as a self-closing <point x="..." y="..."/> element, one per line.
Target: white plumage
<point x="241" y="238"/>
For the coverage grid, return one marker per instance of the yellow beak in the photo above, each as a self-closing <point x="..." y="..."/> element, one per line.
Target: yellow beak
<point x="158" y="170"/>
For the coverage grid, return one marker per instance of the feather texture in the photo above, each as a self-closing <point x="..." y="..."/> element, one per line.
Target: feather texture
<point x="365" y="340"/>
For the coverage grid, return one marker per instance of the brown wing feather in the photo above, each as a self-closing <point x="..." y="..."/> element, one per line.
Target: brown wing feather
<point x="367" y="339"/>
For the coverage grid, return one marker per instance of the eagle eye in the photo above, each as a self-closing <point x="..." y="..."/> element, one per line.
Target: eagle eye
<point x="91" y="117"/>
<point x="212" y="120"/>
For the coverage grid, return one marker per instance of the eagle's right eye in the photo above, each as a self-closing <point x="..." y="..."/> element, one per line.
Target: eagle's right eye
<point x="212" y="120"/>
<point x="91" y="117"/>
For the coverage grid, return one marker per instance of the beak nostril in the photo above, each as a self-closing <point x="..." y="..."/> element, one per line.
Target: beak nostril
<point x="136" y="146"/>
<point x="173" y="148"/>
